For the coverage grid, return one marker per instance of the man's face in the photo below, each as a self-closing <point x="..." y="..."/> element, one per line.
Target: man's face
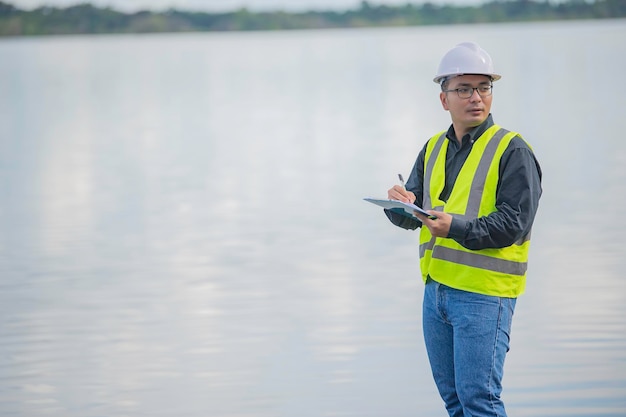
<point x="469" y="112"/>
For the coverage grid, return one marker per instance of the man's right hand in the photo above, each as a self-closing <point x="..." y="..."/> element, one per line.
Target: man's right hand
<point x="397" y="192"/>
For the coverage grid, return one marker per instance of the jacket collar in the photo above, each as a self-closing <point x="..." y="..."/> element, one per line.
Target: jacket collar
<point x="473" y="134"/>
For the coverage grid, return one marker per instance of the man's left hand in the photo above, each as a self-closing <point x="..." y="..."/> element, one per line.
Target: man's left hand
<point x="438" y="227"/>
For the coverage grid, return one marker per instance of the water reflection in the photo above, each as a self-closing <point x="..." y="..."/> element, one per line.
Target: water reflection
<point x="184" y="234"/>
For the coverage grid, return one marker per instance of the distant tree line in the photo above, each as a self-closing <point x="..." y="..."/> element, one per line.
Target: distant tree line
<point x="87" y="19"/>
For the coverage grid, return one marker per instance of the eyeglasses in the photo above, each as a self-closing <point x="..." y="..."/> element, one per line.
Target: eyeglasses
<point x="467" y="92"/>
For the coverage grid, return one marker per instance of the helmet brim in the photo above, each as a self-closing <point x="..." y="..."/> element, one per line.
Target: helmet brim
<point x="439" y="78"/>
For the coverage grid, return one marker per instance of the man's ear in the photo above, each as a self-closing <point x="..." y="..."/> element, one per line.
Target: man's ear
<point x="444" y="100"/>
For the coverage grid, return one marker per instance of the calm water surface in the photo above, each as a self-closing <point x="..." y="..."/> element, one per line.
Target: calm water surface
<point x="182" y="231"/>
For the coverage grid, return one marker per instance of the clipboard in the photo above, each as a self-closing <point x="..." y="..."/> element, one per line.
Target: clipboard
<point x="408" y="208"/>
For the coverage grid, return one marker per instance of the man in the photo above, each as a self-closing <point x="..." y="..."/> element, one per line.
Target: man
<point x="482" y="184"/>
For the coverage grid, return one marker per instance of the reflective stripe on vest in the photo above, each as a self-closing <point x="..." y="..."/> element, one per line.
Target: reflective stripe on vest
<point x="480" y="261"/>
<point x="480" y="176"/>
<point x="428" y="172"/>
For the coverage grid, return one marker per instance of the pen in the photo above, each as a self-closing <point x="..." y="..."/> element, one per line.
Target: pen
<point x="401" y="180"/>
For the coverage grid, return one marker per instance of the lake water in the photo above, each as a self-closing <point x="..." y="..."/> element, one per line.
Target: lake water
<point x="182" y="231"/>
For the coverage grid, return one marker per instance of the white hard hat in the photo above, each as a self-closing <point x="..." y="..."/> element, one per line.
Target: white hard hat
<point x="465" y="58"/>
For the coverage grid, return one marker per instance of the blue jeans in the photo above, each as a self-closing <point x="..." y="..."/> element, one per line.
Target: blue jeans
<point x="467" y="338"/>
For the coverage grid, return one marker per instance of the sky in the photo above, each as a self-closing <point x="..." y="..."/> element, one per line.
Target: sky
<point x="228" y="5"/>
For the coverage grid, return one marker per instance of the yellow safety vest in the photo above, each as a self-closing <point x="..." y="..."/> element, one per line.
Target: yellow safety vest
<point x="499" y="272"/>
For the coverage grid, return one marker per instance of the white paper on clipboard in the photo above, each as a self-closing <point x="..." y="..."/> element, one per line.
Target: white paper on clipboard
<point x="409" y="208"/>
